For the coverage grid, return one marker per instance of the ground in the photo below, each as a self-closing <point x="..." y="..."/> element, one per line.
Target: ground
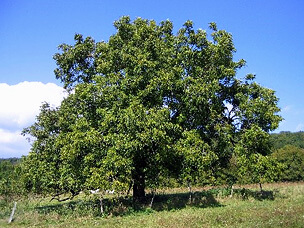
<point x="280" y="205"/>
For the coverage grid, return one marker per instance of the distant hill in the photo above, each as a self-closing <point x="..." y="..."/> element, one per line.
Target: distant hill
<point x="11" y="160"/>
<point x="283" y="138"/>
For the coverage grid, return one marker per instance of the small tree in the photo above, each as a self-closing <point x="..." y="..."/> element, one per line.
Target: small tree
<point x="253" y="163"/>
<point x="196" y="158"/>
<point x="292" y="158"/>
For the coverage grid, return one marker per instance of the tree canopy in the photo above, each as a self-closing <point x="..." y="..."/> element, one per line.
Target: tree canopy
<point x="146" y="104"/>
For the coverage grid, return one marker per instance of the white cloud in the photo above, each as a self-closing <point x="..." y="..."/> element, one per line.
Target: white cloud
<point x="19" y="105"/>
<point x="12" y="144"/>
<point x="300" y="127"/>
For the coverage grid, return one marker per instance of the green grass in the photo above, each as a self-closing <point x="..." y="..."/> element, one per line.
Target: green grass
<point x="281" y="205"/>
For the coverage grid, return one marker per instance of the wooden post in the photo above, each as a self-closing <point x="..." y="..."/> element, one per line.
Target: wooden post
<point x="13" y="212"/>
<point x="190" y="191"/>
<point x="153" y="195"/>
<point x="231" y="192"/>
<point x="101" y="205"/>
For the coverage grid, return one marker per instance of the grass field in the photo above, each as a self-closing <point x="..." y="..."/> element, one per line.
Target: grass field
<point x="280" y="205"/>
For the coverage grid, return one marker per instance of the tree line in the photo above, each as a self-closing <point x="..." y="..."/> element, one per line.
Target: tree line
<point x="149" y="106"/>
<point x="279" y="140"/>
<point x="288" y="149"/>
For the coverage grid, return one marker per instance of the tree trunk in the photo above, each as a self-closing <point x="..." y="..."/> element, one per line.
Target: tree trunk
<point x="190" y="191"/>
<point x="153" y="196"/>
<point x="101" y="205"/>
<point x="261" y="189"/>
<point x="231" y="191"/>
<point x="139" y="184"/>
<point x="130" y="187"/>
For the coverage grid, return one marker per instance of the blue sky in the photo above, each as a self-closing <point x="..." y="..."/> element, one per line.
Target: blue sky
<point x="269" y="35"/>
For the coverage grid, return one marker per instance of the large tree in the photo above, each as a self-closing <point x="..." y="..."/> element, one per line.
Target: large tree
<point x="148" y="103"/>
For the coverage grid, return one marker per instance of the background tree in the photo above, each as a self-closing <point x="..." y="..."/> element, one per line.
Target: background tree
<point x="293" y="159"/>
<point x="149" y="103"/>
<point x="284" y="138"/>
<point x="11" y="184"/>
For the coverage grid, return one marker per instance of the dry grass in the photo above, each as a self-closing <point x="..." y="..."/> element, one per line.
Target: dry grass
<point x="210" y="208"/>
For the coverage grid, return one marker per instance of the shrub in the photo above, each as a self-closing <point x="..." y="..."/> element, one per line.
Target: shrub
<point x="292" y="158"/>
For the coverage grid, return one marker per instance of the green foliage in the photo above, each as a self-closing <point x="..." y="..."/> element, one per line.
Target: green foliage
<point x="251" y="162"/>
<point x="279" y="140"/>
<point x="77" y="59"/>
<point x="41" y="166"/>
<point x="196" y="159"/>
<point x="10" y="182"/>
<point x="13" y="161"/>
<point x="293" y="160"/>
<point x="145" y="106"/>
<point x="258" y="169"/>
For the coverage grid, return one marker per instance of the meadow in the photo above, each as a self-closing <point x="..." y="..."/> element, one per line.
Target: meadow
<point x="279" y="205"/>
